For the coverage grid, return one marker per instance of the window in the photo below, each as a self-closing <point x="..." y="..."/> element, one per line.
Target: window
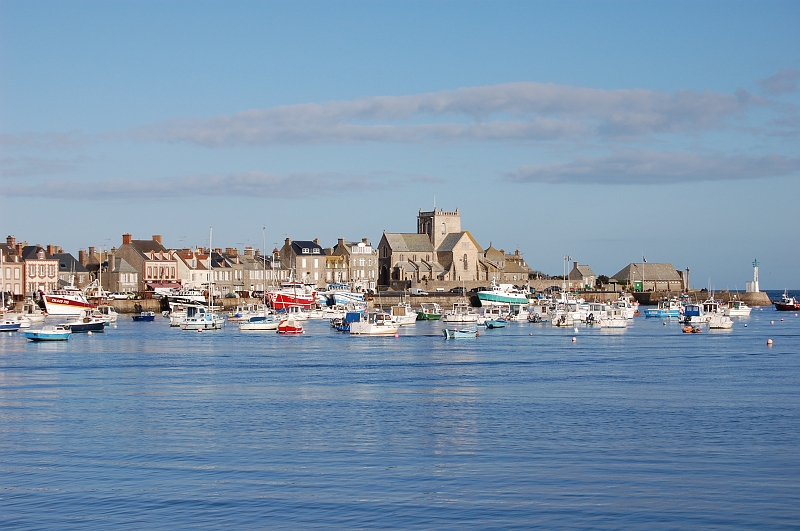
<point x="361" y="262"/>
<point x="32" y="271"/>
<point x="316" y="262"/>
<point x="466" y="262"/>
<point x="315" y="251"/>
<point x="306" y="250"/>
<point x="369" y="262"/>
<point x="444" y="228"/>
<point x="52" y="270"/>
<point x="303" y="263"/>
<point x="16" y="273"/>
<point x="41" y="270"/>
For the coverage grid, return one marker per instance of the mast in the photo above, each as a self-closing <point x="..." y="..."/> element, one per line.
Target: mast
<point x="210" y="269"/>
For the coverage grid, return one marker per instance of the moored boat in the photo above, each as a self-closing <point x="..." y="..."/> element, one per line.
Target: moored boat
<point x="49" y="333"/>
<point x="290" y="327"/>
<point x="463" y="333"/>
<point x="502" y="294"/>
<point x="375" y="324"/>
<point x="787" y="303"/>
<point x="7" y="325"/>
<point x="85" y="324"/>
<point x="260" y="323"/>
<point x="68" y="300"/>
<point x="145" y="316"/>
<point x="461" y="313"/>
<point x="199" y="318"/>
<point x="496" y="323"/>
<point x="429" y="311"/>
<point x="666" y="308"/>
<point x="737" y="309"/>
<point x="403" y="314"/>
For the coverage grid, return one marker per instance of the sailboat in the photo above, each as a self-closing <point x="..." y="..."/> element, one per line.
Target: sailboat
<point x="263" y="320"/>
<point x="198" y="317"/>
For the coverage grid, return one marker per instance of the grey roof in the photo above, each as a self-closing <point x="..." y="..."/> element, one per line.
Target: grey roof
<point x="299" y="245"/>
<point x="67" y="263"/>
<point x="29" y="252"/>
<point x="580" y="271"/>
<point x="409" y="242"/>
<point x="145" y="247"/>
<point x="494" y="254"/>
<point x="121" y="266"/>
<point x="647" y="272"/>
<point x="451" y="240"/>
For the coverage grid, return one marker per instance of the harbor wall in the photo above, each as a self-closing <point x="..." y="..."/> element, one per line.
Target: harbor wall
<point x="651" y="298"/>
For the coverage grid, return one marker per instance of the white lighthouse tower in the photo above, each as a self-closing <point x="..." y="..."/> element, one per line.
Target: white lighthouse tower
<point x="752" y="287"/>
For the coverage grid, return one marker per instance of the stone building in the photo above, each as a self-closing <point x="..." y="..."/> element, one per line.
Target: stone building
<point x="305" y="258"/>
<point x="651" y="277"/>
<point x="41" y="269"/>
<point x="360" y="261"/>
<point x="71" y="271"/>
<point x="581" y="277"/>
<point x="12" y="268"/>
<point x="156" y="265"/>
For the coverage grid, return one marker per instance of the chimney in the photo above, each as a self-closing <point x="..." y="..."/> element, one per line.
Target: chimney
<point x="316" y="240"/>
<point x="157" y="239"/>
<point x="126" y="239"/>
<point x="51" y="249"/>
<point x="248" y="251"/>
<point x="576" y="264"/>
<point x="340" y="243"/>
<point x="91" y="252"/>
<point x="287" y="241"/>
<point x="365" y="241"/>
<point x="19" y="250"/>
<point x="82" y="257"/>
<point x="11" y="241"/>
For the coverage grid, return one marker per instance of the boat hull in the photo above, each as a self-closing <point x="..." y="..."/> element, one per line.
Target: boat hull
<point x="465" y="333"/>
<point x="57" y="305"/>
<point x="662" y="312"/>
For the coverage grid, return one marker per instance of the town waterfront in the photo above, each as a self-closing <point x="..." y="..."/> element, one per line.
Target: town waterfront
<point x="150" y="427"/>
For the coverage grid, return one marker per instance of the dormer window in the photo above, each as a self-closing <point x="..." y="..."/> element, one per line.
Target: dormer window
<point x="306" y="250"/>
<point x="315" y="251"/>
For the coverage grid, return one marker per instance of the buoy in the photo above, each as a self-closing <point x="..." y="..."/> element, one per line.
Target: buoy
<point x="528" y="334"/>
<point x="199" y="329"/>
<point x="781" y="319"/>
<point x="575" y="329"/>
<point x="664" y="323"/>
<point x="115" y="326"/>
<point x="769" y="342"/>
<point x="89" y="333"/>
<point x="396" y="335"/>
<point x="772" y="322"/>
<point x="574" y="339"/>
<point x="745" y="325"/>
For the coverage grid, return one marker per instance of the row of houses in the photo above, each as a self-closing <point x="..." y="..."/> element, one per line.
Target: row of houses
<point x="439" y="254"/>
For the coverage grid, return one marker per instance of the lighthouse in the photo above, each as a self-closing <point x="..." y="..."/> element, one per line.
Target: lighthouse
<point x="752" y="287"/>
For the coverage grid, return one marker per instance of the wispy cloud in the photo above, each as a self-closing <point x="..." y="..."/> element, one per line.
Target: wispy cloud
<point x="785" y="81"/>
<point x="650" y="167"/>
<point x="246" y="184"/>
<point x="512" y="111"/>
<point x="32" y="166"/>
<point x="43" y="141"/>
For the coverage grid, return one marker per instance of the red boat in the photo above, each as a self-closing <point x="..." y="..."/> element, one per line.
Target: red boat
<point x="787" y="303"/>
<point x="290" y="327"/>
<point x="291" y="294"/>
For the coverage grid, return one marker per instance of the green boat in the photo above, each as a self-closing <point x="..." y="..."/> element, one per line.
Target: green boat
<point x="429" y="311"/>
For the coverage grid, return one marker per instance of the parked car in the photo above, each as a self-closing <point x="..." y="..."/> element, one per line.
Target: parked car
<point x="418" y="291"/>
<point x="459" y="290"/>
<point x="120" y="296"/>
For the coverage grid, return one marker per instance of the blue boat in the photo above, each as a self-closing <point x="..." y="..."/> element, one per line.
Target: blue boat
<point x="496" y="323"/>
<point x="9" y="326"/>
<point x="463" y="333"/>
<point x="145" y="316"/>
<point x="49" y="333"/>
<point x="666" y="308"/>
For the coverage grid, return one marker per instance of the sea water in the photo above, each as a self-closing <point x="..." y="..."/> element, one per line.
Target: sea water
<point x="146" y="426"/>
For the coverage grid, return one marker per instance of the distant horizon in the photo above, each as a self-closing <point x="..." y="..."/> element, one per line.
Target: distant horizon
<point x="606" y="131"/>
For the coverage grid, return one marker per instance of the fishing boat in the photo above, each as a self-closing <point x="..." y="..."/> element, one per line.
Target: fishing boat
<point x="463" y="333"/>
<point x="403" y="314"/>
<point x="694" y="314"/>
<point x="429" y="311"/>
<point x="199" y="318"/>
<point x="108" y="313"/>
<point x="291" y="293"/>
<point x="68" y="300"/>
<point x="290" y="327"/>
<point x="49" y="333"/>
<point x="376" y="323"/>
<point x="502" y="294"/>
<point x="613" y="317"/>
<point x="666" y="308"/>
<point x="145" y="316"/>
<point x="461" y="313"/>
<point x="85" y="324"/>
<point x="737" y="309"/>
<point x="787" y="303"/>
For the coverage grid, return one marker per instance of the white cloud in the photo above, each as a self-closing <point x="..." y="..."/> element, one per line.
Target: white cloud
<point x="650" y="167"/>
<point x="512" y="111"/>
<point x="45" y="141"/>
<point x="31" y="166"/>
<point x="785" y="81"/>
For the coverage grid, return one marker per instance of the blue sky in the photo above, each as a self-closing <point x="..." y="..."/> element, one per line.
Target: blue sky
<point x="603" y="130"/>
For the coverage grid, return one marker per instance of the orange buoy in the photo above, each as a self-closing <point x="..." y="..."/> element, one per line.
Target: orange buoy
<point x="769" y="342"/>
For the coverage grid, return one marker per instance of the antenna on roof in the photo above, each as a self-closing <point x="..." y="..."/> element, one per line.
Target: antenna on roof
<point x="434" y="203"/>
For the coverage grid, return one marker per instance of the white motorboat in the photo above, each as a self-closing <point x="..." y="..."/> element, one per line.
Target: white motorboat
<point x="613" y="317"/>
<point x="30" y="311"/>
<point x="461" y="313"/>
<point x="260" y="322"/>
<point x="737" y="309"/>
<point x="107" y="313"/>
<point x="720" y="322"/>
<point x="376" y="324"/>
<point x="68" y="300"/>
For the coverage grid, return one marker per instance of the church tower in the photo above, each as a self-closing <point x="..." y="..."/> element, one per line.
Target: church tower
<point x="437" y="224"/>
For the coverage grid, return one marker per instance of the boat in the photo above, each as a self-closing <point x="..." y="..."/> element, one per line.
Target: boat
<point x="22" y="320"/>
<point x="30" y="311"/>
<point x="787" y="303"/>
<point x="720" y="322"/>
<point x="517" y="312"/>
<point x="538" y="312"/>
<point x="614" y="317"/>
<point x="8" y="325"/>
<point x="145" y="316"/>
<point x="290" y="327"/>
<point x="561" y="318"/>
<point x="463" y="333"/>
<point x="186" y="295"/>
<point x="260" y="322"/>
<point x="199" y="318"/>
<point x="461" y="313"/>
<point x="108" y="313"/>
<point x="502" y="294"/>
<point x="68" y="300"/>
<point x="688" y="329"/>
<point x="737" y="309"/>
<point x="341" y="294"/>
<point x="49" y="333"/>
<point x="376" y="323"/>
<point x="694" y="314"/>
<point x="244" y="312"/>
<point x="496" y="323"/>
<point x="666" y="308"/>
<point x="628" y="305"/>
<point x="293" y="312"/>
<point x="84" y="324"/>
<point x="291" y="293"/>
<point x="429" y="311"/>
<point x="403" y="314"/>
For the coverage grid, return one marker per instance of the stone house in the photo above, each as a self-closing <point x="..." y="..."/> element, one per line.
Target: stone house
<point x="305" y="258"/>
<point x="41" y="269"/>
<point x="120" y="276"/>
<point x="156" y="265"/>
<point x="581" y="277"/>
<point x="644" y="276"/>
<point x="12" y="269"/>
<point x="360" y="261"/>
<point x="71" y="271"/>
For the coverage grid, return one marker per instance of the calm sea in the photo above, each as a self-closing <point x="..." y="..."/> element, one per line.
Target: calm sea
<point x="148" y="427"/>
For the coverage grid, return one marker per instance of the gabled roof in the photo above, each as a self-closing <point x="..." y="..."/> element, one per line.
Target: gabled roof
<point x="30" y="252"/>
<point x="145" y="247"/>
<point x="404" y="243"/>
<point x="451" y="240"/>
<point x="647" y="272"/>
<point x="513" y="267"/>
<point x="580" y="271"/>
<point x="67" y="263"/>
<point x="494" y="254"/>
<point x="121" y="266"/>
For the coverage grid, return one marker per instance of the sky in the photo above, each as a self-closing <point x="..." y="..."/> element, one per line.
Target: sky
<point x="603" y="131"/>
